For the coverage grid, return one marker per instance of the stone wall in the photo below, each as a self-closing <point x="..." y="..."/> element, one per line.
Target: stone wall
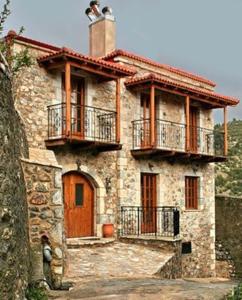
<point x="228" y="228"/>
<point x="225" y="267"/>
<point x="45" y="213"/>
<point x="14" y="251"/>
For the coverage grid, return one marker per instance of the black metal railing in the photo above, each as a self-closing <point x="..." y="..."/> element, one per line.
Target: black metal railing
<point x="56" y="120"/>
<point x="172" y="136"/>
<point x="87" y="123"/>
<point x="150" y="221"/>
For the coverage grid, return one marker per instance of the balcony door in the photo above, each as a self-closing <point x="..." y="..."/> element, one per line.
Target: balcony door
<point x="145" y="121"/>
<point x="193" y="129"/>
<point x="149" y="205"/>
<point x="78" y="108"/>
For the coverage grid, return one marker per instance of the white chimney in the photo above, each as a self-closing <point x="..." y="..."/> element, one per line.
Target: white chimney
<point x="102" y="30"/>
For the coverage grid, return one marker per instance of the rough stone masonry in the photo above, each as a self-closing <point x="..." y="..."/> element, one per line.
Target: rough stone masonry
<point x="14" y="252"/>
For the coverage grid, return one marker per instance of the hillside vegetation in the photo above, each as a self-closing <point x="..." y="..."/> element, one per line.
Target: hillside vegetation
<point x="229" y="174"/>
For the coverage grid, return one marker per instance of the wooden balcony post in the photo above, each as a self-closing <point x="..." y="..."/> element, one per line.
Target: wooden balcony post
<point x="225" y="131"/>
<point x="118" y="91"/>
<point x="152" y="115"/>
<point x="68" y="97"/>
<point x="187" y="108"/>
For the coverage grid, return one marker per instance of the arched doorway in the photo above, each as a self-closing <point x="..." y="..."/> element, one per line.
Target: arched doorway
<point x="79" y="205"/>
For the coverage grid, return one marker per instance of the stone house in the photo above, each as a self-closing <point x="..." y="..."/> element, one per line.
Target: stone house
<point x="116" y="138"/>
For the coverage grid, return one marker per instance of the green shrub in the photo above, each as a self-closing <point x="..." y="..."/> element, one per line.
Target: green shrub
<point x="36" y="293"/>
<point x="236" y="293"/>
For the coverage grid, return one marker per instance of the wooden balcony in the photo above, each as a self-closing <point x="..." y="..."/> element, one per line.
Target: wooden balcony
<point x="171" y="142"/>
<point x="89" y="127"/>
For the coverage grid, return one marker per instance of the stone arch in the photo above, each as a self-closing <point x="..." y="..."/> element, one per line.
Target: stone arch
<point x="99" y="192"/>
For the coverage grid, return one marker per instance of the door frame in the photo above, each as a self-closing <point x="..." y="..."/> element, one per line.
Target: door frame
<point x="89" y="180"/>
<point x="151" y="211"/>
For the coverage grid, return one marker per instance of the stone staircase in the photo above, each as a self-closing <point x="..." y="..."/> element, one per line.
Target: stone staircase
<point x="108" y="258"/>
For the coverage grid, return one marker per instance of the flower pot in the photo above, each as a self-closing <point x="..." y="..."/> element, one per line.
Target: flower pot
<point x="108" y="230"/>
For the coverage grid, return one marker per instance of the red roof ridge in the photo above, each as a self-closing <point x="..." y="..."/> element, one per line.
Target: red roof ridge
<point x="13" y="34"/>
<point x="68" y="51"/>
<point x="120" y="52"/>
<point x="152" y="76"/>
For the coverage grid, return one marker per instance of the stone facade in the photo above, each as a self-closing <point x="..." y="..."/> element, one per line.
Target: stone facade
<point x="14" y="249"/>
<point x="40" y="89"/>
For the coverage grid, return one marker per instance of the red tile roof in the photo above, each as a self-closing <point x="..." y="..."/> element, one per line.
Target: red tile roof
<point x="157" y="79"/>
<point x="120" y="52"/>
<point x="13" y="34"/>
<point x="89" y="59"/>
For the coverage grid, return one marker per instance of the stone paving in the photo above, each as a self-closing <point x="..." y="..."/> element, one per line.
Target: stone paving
<point x="114" y="260"/>
<point x="147" y="289"/>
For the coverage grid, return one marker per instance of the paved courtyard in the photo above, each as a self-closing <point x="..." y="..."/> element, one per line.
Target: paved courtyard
<point x="114" y="260"/>
<point x="147" y="289"/>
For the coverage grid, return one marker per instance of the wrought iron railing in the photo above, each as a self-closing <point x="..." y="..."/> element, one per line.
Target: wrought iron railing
<point x="172" y="136"/>
<point x="150" y="221"/>
<point x="87" y="123"/>
<point x="56" y="120"/>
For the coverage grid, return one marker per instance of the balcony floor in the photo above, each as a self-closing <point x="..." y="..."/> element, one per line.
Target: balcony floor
<point x="82" y="144"/>
<point x="174" y="155"/>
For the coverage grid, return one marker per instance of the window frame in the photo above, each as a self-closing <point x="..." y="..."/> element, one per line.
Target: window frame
<point x="192" y="192"/>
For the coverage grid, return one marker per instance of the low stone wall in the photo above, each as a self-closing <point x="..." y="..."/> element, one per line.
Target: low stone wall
<point x="173" y="268"/>
<point x="225" y="267"/>
<point x="228" y="233"/>
<point x="46" y="215"/>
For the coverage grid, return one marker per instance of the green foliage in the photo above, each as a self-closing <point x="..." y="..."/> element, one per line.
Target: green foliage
<point x="36" y="293"/>
<point x="14" y="62"/>
<point x="229" y="174"/>
<point x="3" y="15"/>
<point x="236" y="293"/>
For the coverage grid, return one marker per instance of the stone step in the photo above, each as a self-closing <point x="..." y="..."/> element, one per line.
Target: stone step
<point x="75" y="243"/>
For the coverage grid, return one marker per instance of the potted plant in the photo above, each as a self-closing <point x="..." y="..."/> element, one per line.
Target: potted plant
<point x="108" y="230"/>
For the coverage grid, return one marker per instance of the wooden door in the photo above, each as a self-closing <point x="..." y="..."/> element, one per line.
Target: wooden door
<point x="79" y="205"/>
<point x="193" y="130"/>
<point x="149" y="207"/>
<point x="145" y="124"/>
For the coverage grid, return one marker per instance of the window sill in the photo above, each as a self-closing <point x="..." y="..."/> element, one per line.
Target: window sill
<point x="192" y="210"/>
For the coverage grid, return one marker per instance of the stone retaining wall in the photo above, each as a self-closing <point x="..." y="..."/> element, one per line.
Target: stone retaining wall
<point x="14" y="248"/>
<point x="228" y="229"/>
<point x="46" y="216"/>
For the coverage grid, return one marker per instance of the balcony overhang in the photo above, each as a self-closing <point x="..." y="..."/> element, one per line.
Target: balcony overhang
<point x="213" y="100"/>
<point x="106" y="71"/>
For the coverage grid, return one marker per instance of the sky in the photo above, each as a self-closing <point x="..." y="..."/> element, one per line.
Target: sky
<point x="201" y="36"/>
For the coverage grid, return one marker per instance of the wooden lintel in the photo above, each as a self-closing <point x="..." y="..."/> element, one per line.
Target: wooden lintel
<point x="225" y="131"/>
<point x="214" y="103"/>
<point x="68" y="97"/>
<point x="93" y="70"/>
<point x="118" y="95"/>
<point x="187" y="114"/>
<point x="53" y="66"/>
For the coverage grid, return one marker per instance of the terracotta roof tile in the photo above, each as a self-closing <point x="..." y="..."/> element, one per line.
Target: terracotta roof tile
<point x="13" y="34"/>
<point x="99" y="61"/>
<point x="155" y="78"/>
<point x="120" y="52"/>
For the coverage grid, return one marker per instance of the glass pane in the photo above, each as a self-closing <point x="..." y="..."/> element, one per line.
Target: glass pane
<point x="79" y="194"/>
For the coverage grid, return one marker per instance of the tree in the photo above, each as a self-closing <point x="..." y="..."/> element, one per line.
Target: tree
<point x="10" y="62"/>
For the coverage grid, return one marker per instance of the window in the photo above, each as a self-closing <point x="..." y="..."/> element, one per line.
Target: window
<point x="79" y="194"/>
<point x="191" y="192"/>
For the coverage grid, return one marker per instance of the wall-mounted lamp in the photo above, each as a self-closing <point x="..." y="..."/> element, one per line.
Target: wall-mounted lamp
<point x="108" y="184"/>
<point x="78" y="164"/>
